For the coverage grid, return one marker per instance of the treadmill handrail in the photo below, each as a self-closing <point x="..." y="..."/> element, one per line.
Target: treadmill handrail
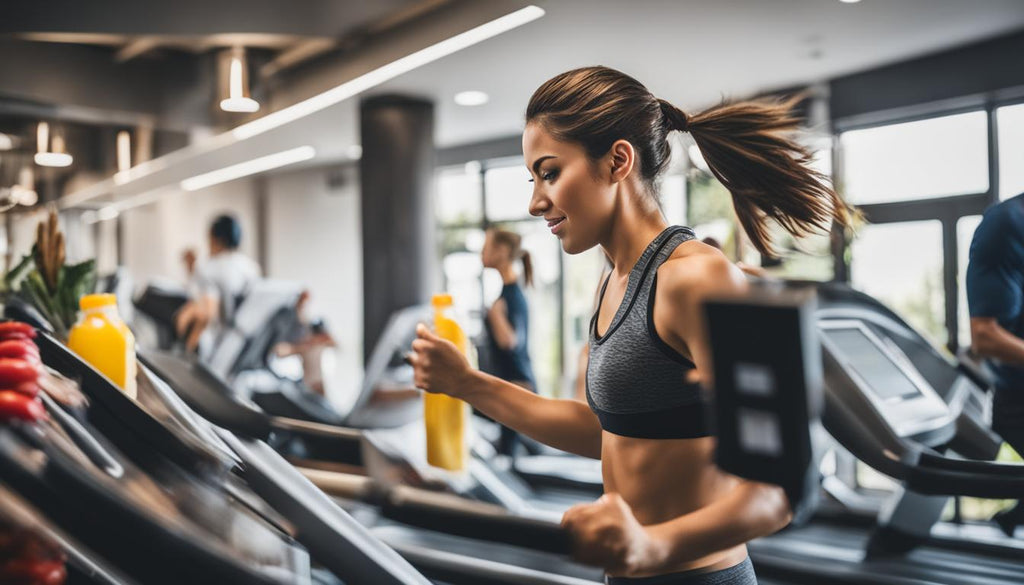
<point x="940" y="462"/>
<point x="206" y="394"/>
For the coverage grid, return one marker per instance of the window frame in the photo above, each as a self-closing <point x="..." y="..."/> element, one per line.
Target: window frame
<point x="946" y="209"/>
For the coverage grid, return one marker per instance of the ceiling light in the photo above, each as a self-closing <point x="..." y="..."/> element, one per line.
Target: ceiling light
<point x="256" y="165"/>
<point x="389" y="71"/>
<point x="6" y="142"/>
<point x="44" y="158"/>
<point x="849" y="1"/>
<point x="124" y="151"/>
<point x="238" y="99"/>
<point x="23" y="196"/>
<point x="471" y="98"/>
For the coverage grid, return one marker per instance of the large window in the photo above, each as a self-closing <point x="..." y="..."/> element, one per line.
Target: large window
<point x="916" y="160"/>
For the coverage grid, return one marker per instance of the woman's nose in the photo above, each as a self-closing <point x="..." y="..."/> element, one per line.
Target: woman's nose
<point x="539" y="203"/>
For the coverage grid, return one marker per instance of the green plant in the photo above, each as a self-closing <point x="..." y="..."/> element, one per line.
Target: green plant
<point x="43" y="280"/>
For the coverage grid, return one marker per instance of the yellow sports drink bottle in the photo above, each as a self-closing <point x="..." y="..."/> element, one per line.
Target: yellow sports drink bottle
<point x="101" y="338"/>
<point x="446" y="417"/>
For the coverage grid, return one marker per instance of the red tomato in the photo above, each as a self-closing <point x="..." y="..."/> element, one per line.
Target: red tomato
<point x="14" y="371"/>
<point x="17" y="405"/>
<point x="27" y="388"/>
<point x="16" y="327"/>
<point x="18" y="348"/>
<point x="27" y="571"/>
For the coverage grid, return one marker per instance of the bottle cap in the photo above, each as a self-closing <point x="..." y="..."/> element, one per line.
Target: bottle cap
<point x="441" y="300"/>
<point x="96" y="301"/>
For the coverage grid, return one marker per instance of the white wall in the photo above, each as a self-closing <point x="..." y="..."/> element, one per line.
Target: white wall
<point x="156" y="235"/>
<point x="314" y="236"/>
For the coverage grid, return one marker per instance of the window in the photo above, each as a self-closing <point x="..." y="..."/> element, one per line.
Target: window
<point x="458" y="198"/>
<point x="964" y="233"/>
<point x="508" y="193"/>
<point x="916" y="160"/>
<point x="1010" y="121"/>
<point x="901" y="265"/>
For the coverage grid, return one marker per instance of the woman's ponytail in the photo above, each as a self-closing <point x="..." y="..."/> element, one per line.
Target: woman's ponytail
<point x="746" y="147"/>
<point x="527" y="268"/>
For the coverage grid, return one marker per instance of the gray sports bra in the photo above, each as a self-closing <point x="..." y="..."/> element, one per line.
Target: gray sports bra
<point x="636" y="383"/>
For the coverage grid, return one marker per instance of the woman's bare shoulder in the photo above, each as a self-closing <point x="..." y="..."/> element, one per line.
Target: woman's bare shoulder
<point x="697" y="269"/>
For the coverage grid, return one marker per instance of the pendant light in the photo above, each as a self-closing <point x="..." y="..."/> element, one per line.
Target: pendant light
<point x="238" y="99"/>
<point x="50" y="152"/>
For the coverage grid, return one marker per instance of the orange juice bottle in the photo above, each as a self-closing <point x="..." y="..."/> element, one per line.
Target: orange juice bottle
<point x="445" y="417"/>
<point x="101" y="338"/>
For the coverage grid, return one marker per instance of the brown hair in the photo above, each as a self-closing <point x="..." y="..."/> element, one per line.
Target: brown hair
<point x="514" y="243"/>
<point x="744" y="144"/>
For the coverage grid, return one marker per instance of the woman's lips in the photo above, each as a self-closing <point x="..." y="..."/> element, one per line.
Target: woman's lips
<point x="555" y="224"/>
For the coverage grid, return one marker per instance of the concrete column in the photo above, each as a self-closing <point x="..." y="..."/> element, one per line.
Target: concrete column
<point x="396" y="177"/>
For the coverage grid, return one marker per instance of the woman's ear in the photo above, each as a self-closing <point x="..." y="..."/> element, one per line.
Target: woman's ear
<point x="623" y="157"/>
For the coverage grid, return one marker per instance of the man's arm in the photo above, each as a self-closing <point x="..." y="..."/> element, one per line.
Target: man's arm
<point x="989" y="339"/>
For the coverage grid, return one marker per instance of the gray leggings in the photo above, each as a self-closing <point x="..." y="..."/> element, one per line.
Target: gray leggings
<point x="739" y="574"/>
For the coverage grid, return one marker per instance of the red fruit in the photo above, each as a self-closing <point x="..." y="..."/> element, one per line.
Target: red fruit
<point x="27" y="571"/>
<point x="15" y="371"/>
<point x="18" y="348"/>
<point x="16" y="327"/>
<point x="17" y="405"/>
<point x="30" y="389"/>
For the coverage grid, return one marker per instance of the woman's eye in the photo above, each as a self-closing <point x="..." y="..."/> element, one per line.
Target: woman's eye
<point x="549" y="176"/>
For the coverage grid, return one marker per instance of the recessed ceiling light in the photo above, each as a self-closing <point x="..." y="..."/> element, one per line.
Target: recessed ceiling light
<point x="471" y="98"/>
<point x="849" y="1"/>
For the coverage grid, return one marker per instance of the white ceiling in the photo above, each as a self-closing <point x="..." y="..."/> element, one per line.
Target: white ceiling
<point x="693" y="52"/>
<point x="687" y="51"/>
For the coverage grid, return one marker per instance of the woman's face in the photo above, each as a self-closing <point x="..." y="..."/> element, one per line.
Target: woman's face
<point x="567" y="192"/>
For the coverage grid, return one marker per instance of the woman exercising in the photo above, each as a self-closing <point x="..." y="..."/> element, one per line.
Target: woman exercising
<point x="508" y="320"/>
<point x="595" y="144"/>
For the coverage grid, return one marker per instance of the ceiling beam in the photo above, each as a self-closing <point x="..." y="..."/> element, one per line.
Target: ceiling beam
<point x="136" y="48"/>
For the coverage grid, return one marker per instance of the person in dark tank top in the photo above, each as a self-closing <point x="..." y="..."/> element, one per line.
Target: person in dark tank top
<point x="596" y="143"/>
<point x="508" y="320"/>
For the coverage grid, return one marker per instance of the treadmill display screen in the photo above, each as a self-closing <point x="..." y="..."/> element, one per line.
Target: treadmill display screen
<point x="884" y="378"/>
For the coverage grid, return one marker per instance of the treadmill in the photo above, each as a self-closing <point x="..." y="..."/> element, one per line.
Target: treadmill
<point x="894" y="403"/>
<point x="145" y="491"/>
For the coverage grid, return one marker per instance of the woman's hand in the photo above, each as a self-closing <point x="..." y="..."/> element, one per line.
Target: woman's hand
<point x="439" y="366"/>
<point x="608" y="535"/>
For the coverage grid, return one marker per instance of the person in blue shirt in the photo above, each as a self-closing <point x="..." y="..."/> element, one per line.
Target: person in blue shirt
<point x="508" y="320"/>
<point x="995" y="296"/>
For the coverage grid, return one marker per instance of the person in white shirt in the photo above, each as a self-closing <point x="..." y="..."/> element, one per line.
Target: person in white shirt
<point x="217" y="284"/>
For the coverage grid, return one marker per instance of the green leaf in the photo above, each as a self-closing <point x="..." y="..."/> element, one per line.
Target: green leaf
<point x="15" y="275"/>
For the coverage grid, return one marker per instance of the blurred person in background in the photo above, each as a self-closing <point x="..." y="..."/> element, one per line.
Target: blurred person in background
<point x="218" y="283"/>
<point x="508" y="320"/>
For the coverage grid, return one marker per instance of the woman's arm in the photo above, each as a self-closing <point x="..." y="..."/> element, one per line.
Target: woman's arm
<point x="502" y="329"/>
<point x="564" y="424"/>
<point x="607" y="533"/>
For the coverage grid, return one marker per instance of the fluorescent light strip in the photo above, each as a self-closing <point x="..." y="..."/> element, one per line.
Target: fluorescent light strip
<point x="389" y="71"/>
<point x="250" y="167"/>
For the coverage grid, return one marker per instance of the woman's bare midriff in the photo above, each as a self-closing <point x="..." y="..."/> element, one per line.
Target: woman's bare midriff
<point x="663" y="479"/>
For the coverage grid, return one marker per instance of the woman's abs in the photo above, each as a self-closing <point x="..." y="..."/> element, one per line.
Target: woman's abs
<point x="665" y="479"/>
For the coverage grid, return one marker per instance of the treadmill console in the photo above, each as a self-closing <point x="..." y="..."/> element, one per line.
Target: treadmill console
<point x="878" y="382"/>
